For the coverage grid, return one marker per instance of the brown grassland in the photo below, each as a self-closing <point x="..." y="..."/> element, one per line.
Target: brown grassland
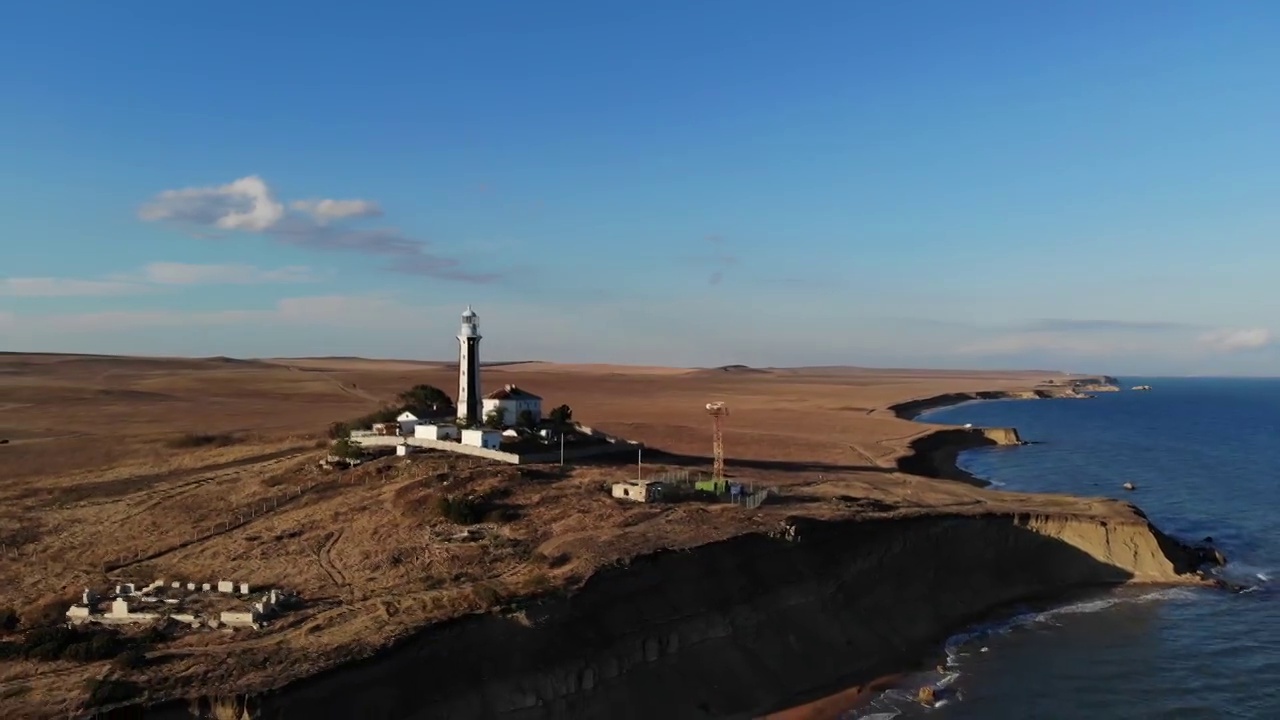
<point x="127" y="469"/>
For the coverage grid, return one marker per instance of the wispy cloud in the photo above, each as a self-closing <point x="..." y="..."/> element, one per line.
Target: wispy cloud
<point x="250" y="205"/>
<point x="150" y="278"/>
<point x="66" y="287"/>
<point x="1105" y="325"/>
<point x="325" y="211"/>
<point x="718" y="258"/>
<point x="1228" y="340"/>
<point x="331" y="310"/>
<point x="1101" y="338"/>
<point x="176" y="273"/>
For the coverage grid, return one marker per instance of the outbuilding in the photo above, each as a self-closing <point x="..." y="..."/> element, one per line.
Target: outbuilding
<point x="639" y="490"/>
<point x="431" y="431"/>
<point x="482" y="438"/>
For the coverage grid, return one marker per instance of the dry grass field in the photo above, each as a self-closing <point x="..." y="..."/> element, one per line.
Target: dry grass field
<point x="128" y="469"/>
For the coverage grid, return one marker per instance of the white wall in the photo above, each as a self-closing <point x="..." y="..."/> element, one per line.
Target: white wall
<point x="552" y="454"/>
<point x="511" y="409"/>
<point x="488" y="439"/>
<point x="435" y="432"/>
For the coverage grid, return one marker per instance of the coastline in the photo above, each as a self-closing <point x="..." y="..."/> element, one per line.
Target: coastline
<point x="935" y="453"/>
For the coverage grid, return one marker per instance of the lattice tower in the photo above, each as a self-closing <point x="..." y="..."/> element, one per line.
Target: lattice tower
<point x="718" y="411"/>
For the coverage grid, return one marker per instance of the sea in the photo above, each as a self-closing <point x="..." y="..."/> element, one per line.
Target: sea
<point x="1204" y="455"/>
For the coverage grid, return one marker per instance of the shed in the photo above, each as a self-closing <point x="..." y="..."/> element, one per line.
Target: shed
<point x="482" y="438"/>
<point x="434" y="431"/>
<point x="639" y="490"/>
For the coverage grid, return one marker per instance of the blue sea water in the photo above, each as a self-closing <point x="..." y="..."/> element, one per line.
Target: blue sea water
<point x="1205" y="457"/>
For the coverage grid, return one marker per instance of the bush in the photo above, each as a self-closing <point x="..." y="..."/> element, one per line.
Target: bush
<point x="526" y="419"/>
<point x="107" y="691"/>
<point x="339" y="431"/>
<point x="426" y="396"/>
<point x="199" y="440"/>
<point x="461" y="510"/>
<point x="9" y="620"/>
<point x="131" y="659"/>
<point x="561" y="416"/>
<point x="344" y="448"/>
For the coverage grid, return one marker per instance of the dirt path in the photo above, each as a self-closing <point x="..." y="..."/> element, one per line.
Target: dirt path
<point x="325" y="556"/>
<point x="347" y="388"/>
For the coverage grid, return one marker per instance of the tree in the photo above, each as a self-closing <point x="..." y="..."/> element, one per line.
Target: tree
<point x="526" y="419"/>
<point x="344" y="448"/>
<point x="561" y="416"/>
<point x="339" y="431"/>
<point x="494" y="419"/>
<point x="426" y="396"/>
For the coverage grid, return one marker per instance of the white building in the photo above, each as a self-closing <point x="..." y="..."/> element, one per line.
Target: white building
<point x="436" y="432"/>
<point x="639" y="490"/>
<point x="482" y="438"/>
<point x="408" y="421"/>
<point x="510" y="401"/>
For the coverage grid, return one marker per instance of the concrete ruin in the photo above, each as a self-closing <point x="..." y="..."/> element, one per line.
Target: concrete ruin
<point x="167" y="601"/>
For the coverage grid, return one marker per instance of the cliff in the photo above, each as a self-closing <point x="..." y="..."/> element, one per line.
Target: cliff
<point x="934" y="455"/>
<point x="912" y="409"/>
<point x="743" y="626"/>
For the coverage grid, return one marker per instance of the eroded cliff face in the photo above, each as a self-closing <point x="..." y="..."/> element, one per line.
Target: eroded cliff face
<point x="743" y="626"/>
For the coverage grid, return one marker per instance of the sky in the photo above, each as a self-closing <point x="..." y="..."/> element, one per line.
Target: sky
<point x="1078" y="185"/>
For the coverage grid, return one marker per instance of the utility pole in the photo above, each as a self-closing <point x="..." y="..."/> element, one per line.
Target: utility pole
<point x="561" y="448"/>
<point x="639" y="463"/>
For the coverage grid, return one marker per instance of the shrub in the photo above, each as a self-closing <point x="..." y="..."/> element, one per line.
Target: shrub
<point x="107" y="690"/>
<point x="344" y="448"/>
<point x="561" y="415"/>
<point x="339" y="431"/>
<point x="9" y="620"/>
<point x="427" y="396"/>
<point x="461" y="510"/>
<point x="130" y="659"/>
<point x="199" y="440"/>
<point x="526" y="419"/>
<point x="50" y="613"/>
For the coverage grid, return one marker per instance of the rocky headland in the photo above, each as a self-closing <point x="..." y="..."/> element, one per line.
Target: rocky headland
<point x="826" y="589"/>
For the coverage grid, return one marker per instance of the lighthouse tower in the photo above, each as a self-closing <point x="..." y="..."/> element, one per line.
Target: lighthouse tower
<point x="469" y="367"/>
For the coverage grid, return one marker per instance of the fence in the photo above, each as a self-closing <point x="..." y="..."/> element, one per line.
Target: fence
<point x="690" y="482"/>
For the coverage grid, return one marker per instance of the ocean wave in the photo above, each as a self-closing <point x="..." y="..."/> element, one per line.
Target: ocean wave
<point x="891" y="703"/>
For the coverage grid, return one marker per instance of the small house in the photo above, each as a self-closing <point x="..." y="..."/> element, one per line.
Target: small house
<point x="386" y="428"/>
<point x="408" y="420"/>
<point x="482" y="438"/>
<point x="639" y="490"/>
<point x="510" y="402"/>
<point x="432" y="431"/>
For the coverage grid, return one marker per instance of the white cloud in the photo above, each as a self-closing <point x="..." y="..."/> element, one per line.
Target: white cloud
<point x="1052" y="342"/>
<point x="326" y="210"/>
<point x="1234" y="340"/>
<point x="175" y="273"/>
<point x="245" y="204"/>
<point x="249" y="205"/>
<point x="66" y="287"/>
<point x="151" y="277"/>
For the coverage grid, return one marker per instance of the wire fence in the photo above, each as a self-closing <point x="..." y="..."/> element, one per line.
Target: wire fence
<point x="697" y="483"/>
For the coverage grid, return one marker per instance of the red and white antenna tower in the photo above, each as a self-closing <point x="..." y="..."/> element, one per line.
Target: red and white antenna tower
<point x="718" y="411"/>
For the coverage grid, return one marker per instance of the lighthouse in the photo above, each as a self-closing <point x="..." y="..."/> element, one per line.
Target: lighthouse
<point x="469" y="368"/>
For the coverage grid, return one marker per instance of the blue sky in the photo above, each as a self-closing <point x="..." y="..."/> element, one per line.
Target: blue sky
<point x="1069" y="185"/>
